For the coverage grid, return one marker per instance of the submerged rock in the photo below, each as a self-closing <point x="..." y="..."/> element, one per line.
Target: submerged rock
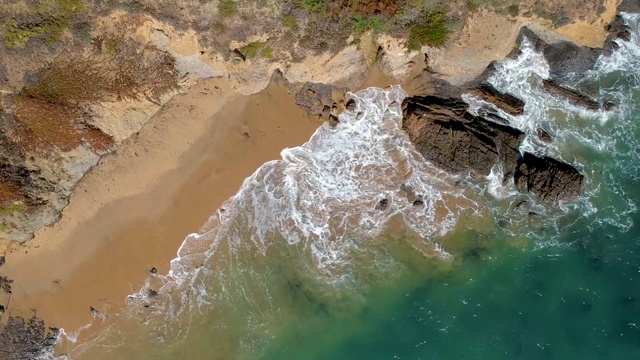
<point x="552" y="180"/>
<point x="618" y="30"/>
<point x="573" y="96"/>
<point x="508" y="103"/>
<point x="631" y="6"/>
<point x="446" y="134"/>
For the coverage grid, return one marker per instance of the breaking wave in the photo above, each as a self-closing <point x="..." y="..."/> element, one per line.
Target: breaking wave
<point x="321" y="208"/>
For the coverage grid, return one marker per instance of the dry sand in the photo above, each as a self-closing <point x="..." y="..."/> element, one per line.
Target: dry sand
<point x="133" y="211"/>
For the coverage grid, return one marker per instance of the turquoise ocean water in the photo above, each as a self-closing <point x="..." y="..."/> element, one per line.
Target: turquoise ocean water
<point x="301" y="265"/>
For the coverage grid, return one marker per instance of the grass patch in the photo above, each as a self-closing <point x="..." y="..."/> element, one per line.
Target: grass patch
<point x="430" y="29"/>
<point x="289" y="21"/>
<point x="218" y="27"/>
<point x="227" y="8"/>
<point x="51" y="112"/>
<point x="9" y="193"/>
<point x="314" y="6"/>
<point x="43" y="125"/>
<point x="56" y="18"/>
<point x="257" y="48"/>
<point x="374" y="23"/>
<point x="472" y="5"/>
<point x="13" y="208"/>
<point x="267" y="52"/>
<point x="69" y="82"/>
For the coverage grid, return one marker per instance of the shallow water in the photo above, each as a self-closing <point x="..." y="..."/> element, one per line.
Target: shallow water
<point x="306" y="262"/>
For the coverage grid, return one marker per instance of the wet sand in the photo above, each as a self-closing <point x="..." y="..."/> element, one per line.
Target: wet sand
<point x="134" y="210"/>
<point x="131" y="213"/>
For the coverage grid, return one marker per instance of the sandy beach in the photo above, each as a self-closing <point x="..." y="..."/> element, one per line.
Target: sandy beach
<point x="132" y="212"/>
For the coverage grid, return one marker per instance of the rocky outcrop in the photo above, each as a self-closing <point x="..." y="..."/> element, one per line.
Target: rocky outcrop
<point x="26" y="339"/>
<point x="551" y="179"/>
<point x="617" y="30"/>
<point x="320" y="100"/>
<point x="573" y="96"/>
<point x="507" y="102"/>
<point x="566" y="59"/>
<point x="446" y="134"/>
<point x="630" y="6"/>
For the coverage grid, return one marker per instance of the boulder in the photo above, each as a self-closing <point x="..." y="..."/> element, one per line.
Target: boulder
<point x="507" y="102"/>
<point x="618" y="30"/>
<point x="566" y="59"/>
<point x="319" y="100"/>
<point x="574" y="97"/>
<point x="630" y="6"/>
<point x="26" y="339"/>
<point x="552" y="180"/>
<point x="446" y="134"/>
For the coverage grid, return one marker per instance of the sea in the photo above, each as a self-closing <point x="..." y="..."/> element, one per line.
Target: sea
<point x="324" y="254"/>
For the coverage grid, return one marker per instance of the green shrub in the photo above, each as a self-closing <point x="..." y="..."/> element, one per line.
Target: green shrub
<point x="256" y="48"/>
<point x="430" y="29"/>
<point x="361" y="24"/>
<point x="13" y="208"/>
<point x="218" y="27"/>
<point x="267" y="52"/>
<point x="314" y="6"/>
<point x="473" y="4"/>
<point x="513" y="10"/>
<point x="289" y="21"/>
<point x="227" y="8"/>
<point x="56" y="18"/>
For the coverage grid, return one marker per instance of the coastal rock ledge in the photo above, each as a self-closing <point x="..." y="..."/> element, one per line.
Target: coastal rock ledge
<point x="446" y="134"/>
<point x="438" y="121"/>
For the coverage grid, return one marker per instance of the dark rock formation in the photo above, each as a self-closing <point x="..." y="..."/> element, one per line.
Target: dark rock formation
<point x="5" y="284"/>
<point x="565" y="58"/>
<point x="26" y="339"/>
<point x="551" y="179"/>
<point x="447" y="135"/>
<point x="319" y="100"/>
<point x="630" y="6"/>
<point x="573" y="96"/>
<point x="508" y="103"/>
<point x="617" y="30"/>
<point x="382" y="205"/>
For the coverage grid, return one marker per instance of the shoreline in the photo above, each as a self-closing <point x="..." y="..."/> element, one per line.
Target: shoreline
<point x="97" y="254"/>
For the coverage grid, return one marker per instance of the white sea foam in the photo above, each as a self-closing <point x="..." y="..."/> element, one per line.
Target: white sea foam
<point x="327" y="196"/>
<point x="324" y="197"/>
<point x="574" y="130"/>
